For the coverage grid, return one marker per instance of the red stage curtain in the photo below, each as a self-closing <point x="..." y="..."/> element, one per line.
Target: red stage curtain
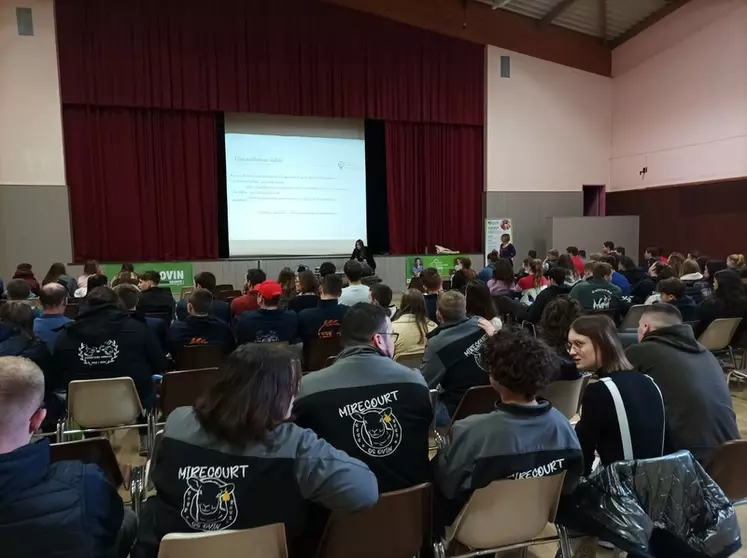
<point x="434" y="186"/>
<point x="294" y="57"/>
<point x="143" y="183"/>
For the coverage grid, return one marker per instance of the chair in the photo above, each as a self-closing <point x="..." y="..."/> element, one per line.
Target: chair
<point x="477" y="400"/>
<point x="91" y="450"/>
<point x="726" y="468"/>
<point x="411" y="360"/>
<point x="317" y="351"/>
<point x="398" y="526"/>
<point x="632" y="318"/>
<point x="164" y="316"/>
<point x="193" y="357"/>
<point x="267" y="541"/>
<point x="186" y="291"/>
<point x="717" y="337"/>
<point x="182" y="388"/>
<point x="507" y="515"/>
<point x="225" y="295"/>
<point x="223" y="287"/>
<point x="565" y="395"/>
<point x="71" y="310"/>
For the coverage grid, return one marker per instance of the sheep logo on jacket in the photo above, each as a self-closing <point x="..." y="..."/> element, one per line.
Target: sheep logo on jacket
<point x="209" y="504"/>
<point x="377" y="432"/>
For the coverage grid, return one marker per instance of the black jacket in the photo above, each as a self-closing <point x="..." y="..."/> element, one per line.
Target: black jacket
<point x="300" y="303"/>
<point x="266" y="326"/>
<point x="156" y="299"/>
<point x="686" y="306"/>
<point x="697" y="289"/>
<point x="104" y="342"/>
<point x="642" y="290"/>
<point x="714" y="308"/>
<point x="700" y="416"/>
<point x="431" y="305"/>
<point x="200" y="330"/>
<point x="598" y="430"/>
<point x="634" y="276"/>
<point x="361" y="256"/>
<point x="533" y="312"/>
<point x="322" y="321"/>
<point x="220" y="309"/>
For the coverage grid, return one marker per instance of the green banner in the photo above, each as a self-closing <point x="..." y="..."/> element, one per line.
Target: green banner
<point x="174" y="275"/>
<point x="444" y="263"/>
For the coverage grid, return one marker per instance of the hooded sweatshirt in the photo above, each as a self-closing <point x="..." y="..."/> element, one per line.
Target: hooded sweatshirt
<point x="28" y="276"/>
<point x="200" y="330"/>
<point x="696" y="286"/>
<point x="698" y="406"/>
<point x="533" y="312"/>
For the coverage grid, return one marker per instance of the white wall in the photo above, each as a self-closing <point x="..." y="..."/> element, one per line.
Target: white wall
<point x="680" y="98"/>
<point x="548" y="126"/>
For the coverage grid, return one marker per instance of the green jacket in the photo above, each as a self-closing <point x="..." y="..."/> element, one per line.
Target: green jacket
<point x="596" y="294"/>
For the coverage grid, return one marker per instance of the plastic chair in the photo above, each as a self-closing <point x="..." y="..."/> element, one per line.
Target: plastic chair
<point x="565" y="395"/>
<point x="267" y="541"/>
<point x="182" y="388"/>
<point x="633" y="317"/>
<point x="229" y="293"/>
<point x="317" y="351"/>
<point x="71" y="310"/>
<point x="507" y="515"/>
<point x="726" y="468"/>
<point x="195" y="357"/>
<point x="477" y="400"/>
<point x="411" y="360"/>
<point x="186" y="291"/>
<point x="398" y="526"/>
<point x="223" y="287"/>
<point x="717" y="336"/>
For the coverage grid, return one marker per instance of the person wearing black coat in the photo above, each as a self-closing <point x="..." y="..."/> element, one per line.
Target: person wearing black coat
<point x="553" y="329"/>
<point x="672" y="291"/>
<point x="533" y="312"/>
<point x="154" y="298"/>
<point x="727" y="301"/>
<point x="199" y="327"/>
<point x="361" y="253"/>
<point x="633" y="273"/>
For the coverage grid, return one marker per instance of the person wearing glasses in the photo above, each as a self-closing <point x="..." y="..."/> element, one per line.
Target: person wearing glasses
<point x="369" y="406"/>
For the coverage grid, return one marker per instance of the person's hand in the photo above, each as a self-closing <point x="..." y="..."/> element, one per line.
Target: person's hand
<point x="487" y="327"/>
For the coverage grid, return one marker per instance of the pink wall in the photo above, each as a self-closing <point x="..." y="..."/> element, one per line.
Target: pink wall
<point x="680" y="99"/>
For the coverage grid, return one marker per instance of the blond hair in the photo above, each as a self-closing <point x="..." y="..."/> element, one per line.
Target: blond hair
<point x="736" y="259"/>
<point x="21" y="390"/>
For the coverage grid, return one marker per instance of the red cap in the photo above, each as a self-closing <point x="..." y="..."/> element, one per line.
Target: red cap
<point x="270" y="289"/>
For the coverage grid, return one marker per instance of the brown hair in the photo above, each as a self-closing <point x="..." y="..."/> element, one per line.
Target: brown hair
<point x="287" y="280"/>
<point x="19" y="316"/>
<point x="556" y="320"/>
<point x="55" y="271"/>
<point x="414" y="303"/>
<point x="602" y="270"/>
<point x="308" y="282"/>
<point x="675" y="261"/>
<point x="736" y="259"/>
<point x="251" y="395"/>
<point x="479" y="302"/>
<point x="535" y="266"/>
<point x="90" y="267"/>
<point x="467" y="270"/>
<point x="431" y="279"/>
<point x="603" y="335"/>
<point x="688" y="267"/>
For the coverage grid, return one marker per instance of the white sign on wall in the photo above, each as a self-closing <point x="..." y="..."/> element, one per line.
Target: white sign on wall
<point x="494" y="229"/>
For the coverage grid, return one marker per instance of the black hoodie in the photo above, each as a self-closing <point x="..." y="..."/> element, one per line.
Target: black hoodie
<point x="156" y="299"/>
<point x="104" y="342"/>
<point x="533" y="312"/>
<point x="698" y="405"/>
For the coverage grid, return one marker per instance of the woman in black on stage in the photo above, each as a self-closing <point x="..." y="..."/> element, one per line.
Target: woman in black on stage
<point x="362" y="253"/>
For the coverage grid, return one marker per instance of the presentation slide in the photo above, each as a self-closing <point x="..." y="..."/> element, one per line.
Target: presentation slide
<point x="295" y="186"/>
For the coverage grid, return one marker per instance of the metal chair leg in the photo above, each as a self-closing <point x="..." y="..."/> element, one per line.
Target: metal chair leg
<point x="60" y="432"/>
<point x="151" y="420"/>
<point x="731" y="356"/>
<point x="566" y="551"/>
<point x="137" y="490"/>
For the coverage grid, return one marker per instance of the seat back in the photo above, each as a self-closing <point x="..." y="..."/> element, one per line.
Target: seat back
<point x="186" y="291"/>
<point x="727" y="467"/>
<point x="565" y="395"/>
<point x="182" y="388"/>
<point x="71" y="310"/>
<point x="396" y="527"/>
<point x="411" y="360"/>
<point x="193" y="357"/>
<point x="476" y="401"/>
<point x="223" y="287"/>
<point x="718" y="334"/>
<point x="92" y="450"/>
<point x="633" y="316"/>
<point x="103" y="403"/>
<point x="230" y="293"/>
<point x="317" y="351"/>
<point x="267" y="541"/>
<point x="522" y="508"/>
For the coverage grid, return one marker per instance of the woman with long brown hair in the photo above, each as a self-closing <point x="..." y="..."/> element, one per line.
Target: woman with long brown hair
<point x="594" y="346"/>
<point x="58" y="274"/>
<point x="413" y="325"/>
<point x="235" y="461"/>
<point x="307" y="289"/>
<point x="463" y="273"/>
<point x="532" y="284"/>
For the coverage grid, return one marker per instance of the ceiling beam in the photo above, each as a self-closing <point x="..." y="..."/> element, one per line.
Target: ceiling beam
<point x="603" y="20"/>
<point x="644" y="24"/>
<point x="559" y="8"/>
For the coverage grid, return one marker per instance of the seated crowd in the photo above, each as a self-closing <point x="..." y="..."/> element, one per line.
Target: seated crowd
<point x="269" y="443"/>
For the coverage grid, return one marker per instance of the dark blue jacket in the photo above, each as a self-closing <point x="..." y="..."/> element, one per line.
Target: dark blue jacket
<point x="47" y="328"/>
<point x="158" y="327"/>
<point x="14" y="343"/>
<point x="59" y="510"/>
<point x="431" y="304"/>
<point x="266" y="326"/>
<point x="621" y="281"/>
<point x="321" y="322"/>
<point x="220" y="309"/>
<point x="486" y="273"/>
<point x="200" y="330"/>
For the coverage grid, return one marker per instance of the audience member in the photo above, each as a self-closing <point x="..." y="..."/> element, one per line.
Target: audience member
<point x="67" y="508"/>
<point x="576" y="259"/>
<point x="557" y="287"/>
<point x="566" y="264"/>
<point x="595" y="257"/>
<point x="47" y="326"/>
<point x="594" y="345"/>
<point x="91" y="267"/>
<point x="453" y="354"/>
<point x="17" y="335"/>
<point x="154" y="299"/>
<point x="18" y="291"/>
<point x="126" y="275"/>
<point x="381" y="295"/>
<point x="582" y="255"/>
<point x="106" y="342"/>
<point x="361" y="253"/>
<point x="617" y="278"/>
<point x="24" y="272"/>
<point x="597" y="293"/>
<point x="620" y="250"/>
<point x="652" y="254"/>
<point x="735" y="261"/>
<point x="248" y="301"/>
<point x="551" y="260"/>
<point x="287" y="281"/>
<point x="355" y="292"/>
<point x="327" y="268"/>
<point x="218" y="308"/>
<point x="672" y="291"/>
<point x="608" y="247"/>
<point x="261" y="468"/>
<point x="553" y="329"/>
<point x="58" y="274"/>
<point x="711" y="268"/>
<point x="702" y="261"/>
<point x="699" y="412"/>
<point x="503" y="280"/>
<point x="486" y="273"/>
<point x="307" y="288"/>
<point x="631" y="271"/>
<point x="641" y="291"/>
<point x="326" y="319"/>
<point x="129" y="295"/>
<point x="675" y="261"/>
<point x="418" y="268"/>
<point x="95" y="280"/>
<point x="532" y="254"/>
<point x="412" y="324"/>
<point x="385" y="405"/>
<point x="666" y="273"/>
<point x="269" y="324"/>
<point x="200" y="327"/>
<point x="532" y="284"/>
<point x="463" y="274"/>
<point x="526" y="269"/>
<point x="727" y="301"/>
<point x="480" y="303"/>
<point x="695" y="286"/>
<point x="433" y="285"/>
<point x="507" y="250"/>
<point x="521" y="436"/>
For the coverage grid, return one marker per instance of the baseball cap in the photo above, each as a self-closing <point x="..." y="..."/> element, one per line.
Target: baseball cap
<point x="270" y="289"/>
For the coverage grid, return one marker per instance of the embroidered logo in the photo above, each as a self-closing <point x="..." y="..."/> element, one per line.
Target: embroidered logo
<point x="476" y="351"/>
<point x="377" y="432"/>
<point x="209" y="504"/>
<point x="103" y="354"/>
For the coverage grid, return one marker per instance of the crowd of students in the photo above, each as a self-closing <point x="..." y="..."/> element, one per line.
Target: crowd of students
<point x="266" y="444"/>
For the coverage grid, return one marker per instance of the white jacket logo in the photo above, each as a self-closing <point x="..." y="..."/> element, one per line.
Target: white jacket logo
<point x="209" y="504"/>
<point x="476" y="349"/>
<point x="103" y="354"/>
<point x="377" y="432"/>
